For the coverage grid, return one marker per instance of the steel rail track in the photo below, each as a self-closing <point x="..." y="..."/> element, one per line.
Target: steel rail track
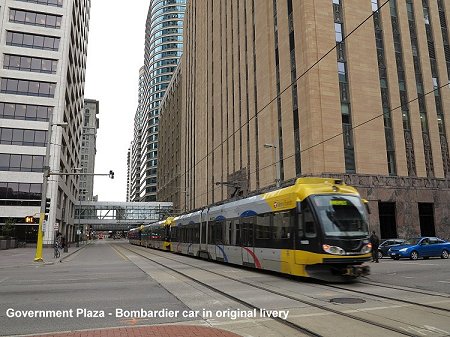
<point x="318" y="306"/>
<point x="233" y="298"/>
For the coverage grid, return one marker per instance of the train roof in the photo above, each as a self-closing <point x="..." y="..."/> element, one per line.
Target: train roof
<point x="280" y="200"/>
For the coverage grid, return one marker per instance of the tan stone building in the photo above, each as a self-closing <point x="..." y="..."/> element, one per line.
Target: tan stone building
<point x="277" y="89"/>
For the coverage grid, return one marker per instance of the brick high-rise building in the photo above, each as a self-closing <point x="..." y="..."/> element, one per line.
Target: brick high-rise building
<point x="280" y="81"/>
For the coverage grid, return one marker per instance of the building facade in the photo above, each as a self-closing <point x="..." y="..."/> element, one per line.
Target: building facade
<point x="163" y="48"/>
<point x="88" y="149"/>
<point x="169" y="146"/>
<point x="135" y="146"/>
<point x="42" y="72"/>
<point x="280" y="89"/>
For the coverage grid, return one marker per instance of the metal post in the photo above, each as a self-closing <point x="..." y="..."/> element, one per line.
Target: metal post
<point x="40" y="238"/>
<point x="79" y="220"/>
<point x="277" y="163"/>
<point x="277" y="167"/>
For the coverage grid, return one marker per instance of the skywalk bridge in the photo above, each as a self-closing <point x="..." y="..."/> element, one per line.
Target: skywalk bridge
<point x="119" y="216"/>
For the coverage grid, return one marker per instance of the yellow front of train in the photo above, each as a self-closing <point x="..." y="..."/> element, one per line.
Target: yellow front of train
<point x="331" y="241"/>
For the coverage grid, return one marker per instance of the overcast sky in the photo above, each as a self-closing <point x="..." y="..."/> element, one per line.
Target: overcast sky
<point x="115" y="54"/>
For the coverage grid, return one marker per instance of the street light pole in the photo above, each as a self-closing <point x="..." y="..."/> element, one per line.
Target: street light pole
<point x="277" y="163"/>
<point x="40" y="238"/>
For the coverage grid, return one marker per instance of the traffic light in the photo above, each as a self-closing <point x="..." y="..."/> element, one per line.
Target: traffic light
<point x="111" y="174"/>
<point x="29" y="219"/>
<point x="47" y="205"/>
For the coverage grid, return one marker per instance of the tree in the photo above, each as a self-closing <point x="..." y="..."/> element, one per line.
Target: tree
<point x="9" y="227"/>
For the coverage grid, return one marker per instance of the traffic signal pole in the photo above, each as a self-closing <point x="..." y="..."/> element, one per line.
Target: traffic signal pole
<point x="40" y="239"/>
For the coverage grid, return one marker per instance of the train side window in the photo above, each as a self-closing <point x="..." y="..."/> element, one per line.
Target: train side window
<point x="196" y="233"/>
<point x="237" y="233"/>
<point x="263" y="230"/>
<point x="308" y="222"/>
<point x="204" y="225"/>
<point x="210" y="232"/>
<point x="247" y="231"/>
<point x="227" y="233"/>
<point x="282" y="230"/>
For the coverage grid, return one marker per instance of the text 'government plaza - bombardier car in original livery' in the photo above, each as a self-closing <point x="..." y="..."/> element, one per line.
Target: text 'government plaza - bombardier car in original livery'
<point x="315" y="228"/>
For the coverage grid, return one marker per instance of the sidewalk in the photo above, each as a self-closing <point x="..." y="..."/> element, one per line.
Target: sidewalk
<point x="19" y="257"/>
<point x="147" y="331"/>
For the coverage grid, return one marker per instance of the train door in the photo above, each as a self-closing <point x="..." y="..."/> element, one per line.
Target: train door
<point x="307" y="240"/>
<point x="247" y="242"/>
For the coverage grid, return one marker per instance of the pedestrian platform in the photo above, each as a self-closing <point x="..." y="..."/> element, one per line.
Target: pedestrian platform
<point x="147" y="331"/>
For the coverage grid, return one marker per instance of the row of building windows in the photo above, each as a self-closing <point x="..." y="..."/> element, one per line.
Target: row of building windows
<point x="25" y="111"/>
<point x="27" y="63"/>
<point x="21" y="162"/>
<point x="167" y="9"/>
<point x="27" y="87"/>
<point x="23" y="137"/>
<point x="56" y="3"/>
<point x="34" y="41"/>
<point x="35" y="18"/>
<point x="24" y="191"/>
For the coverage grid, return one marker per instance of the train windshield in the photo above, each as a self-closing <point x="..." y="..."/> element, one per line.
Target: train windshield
<point x="341" y="215"/>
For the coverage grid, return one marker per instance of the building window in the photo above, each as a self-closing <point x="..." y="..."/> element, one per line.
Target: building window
<point x="56" y="3"/>
<point x="24" y="191"/>
<point x="23" y="137"/>
<point x="28" y="88"/>
<point x="21" y="162"/>
<point x="25" y="111"/>
<point x="35" y="18"/>
<point x="32" y="41"/>
<point x="387" y="217"/>
<point x="34" y="64"/>
<point x="426" y="219"/>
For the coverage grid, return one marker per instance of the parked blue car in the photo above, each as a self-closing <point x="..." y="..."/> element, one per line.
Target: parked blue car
<point x="421" y="247"/>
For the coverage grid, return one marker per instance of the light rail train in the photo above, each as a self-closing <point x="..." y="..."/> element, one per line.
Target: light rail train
<point x="316" y="228"/>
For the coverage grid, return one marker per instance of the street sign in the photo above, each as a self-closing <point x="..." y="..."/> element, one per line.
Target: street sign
<point x="44" y="225"/>
<point x="56" y="226"/>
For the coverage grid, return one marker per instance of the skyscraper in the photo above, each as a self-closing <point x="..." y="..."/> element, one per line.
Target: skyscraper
<point x="43" y="61"/>
<point x="276" y="90"/>
<point x="163" y="48"/>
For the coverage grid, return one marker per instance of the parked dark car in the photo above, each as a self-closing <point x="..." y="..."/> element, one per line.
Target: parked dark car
<point x="421" y="247"/>
<point x="385" y="245"/>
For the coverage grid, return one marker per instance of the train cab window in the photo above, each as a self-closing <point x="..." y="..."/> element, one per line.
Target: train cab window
<point x="309" y="226"/>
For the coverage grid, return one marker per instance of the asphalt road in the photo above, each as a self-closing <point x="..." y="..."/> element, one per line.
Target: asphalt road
<point x="100" y="280"/>
<point x="95" y="281"/>
<point x="432" y="274"/>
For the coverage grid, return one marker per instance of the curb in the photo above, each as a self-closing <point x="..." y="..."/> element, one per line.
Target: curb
<point x="71" y="253"/>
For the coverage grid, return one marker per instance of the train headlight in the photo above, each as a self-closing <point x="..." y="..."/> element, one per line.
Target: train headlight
<point x="367" y="248"/>
<point x="333" y="250"/>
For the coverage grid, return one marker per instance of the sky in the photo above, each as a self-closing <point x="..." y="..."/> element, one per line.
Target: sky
<point x="115" y="54"/>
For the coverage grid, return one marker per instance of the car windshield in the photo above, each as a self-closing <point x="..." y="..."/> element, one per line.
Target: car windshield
<point x="412" y="241"/>
<point x="341" y="215"/>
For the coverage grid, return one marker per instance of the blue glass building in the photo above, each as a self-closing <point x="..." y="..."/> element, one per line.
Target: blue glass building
<point x="163" y="48"/>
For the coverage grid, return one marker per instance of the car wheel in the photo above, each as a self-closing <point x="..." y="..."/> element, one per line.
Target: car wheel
<point x="444" y="254"/>
<point x="414" y="255"/>
<point x="380" y="255"/>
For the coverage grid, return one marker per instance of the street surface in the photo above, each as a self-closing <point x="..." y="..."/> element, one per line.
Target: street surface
<point x="113" y="284"/>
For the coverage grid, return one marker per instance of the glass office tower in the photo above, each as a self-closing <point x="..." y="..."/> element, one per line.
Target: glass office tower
<point x="163" y="48"/>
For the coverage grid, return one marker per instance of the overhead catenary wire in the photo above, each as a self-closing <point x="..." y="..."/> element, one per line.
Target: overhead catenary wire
<point x="341" y="133"/>
<point x="285" y="89"/>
